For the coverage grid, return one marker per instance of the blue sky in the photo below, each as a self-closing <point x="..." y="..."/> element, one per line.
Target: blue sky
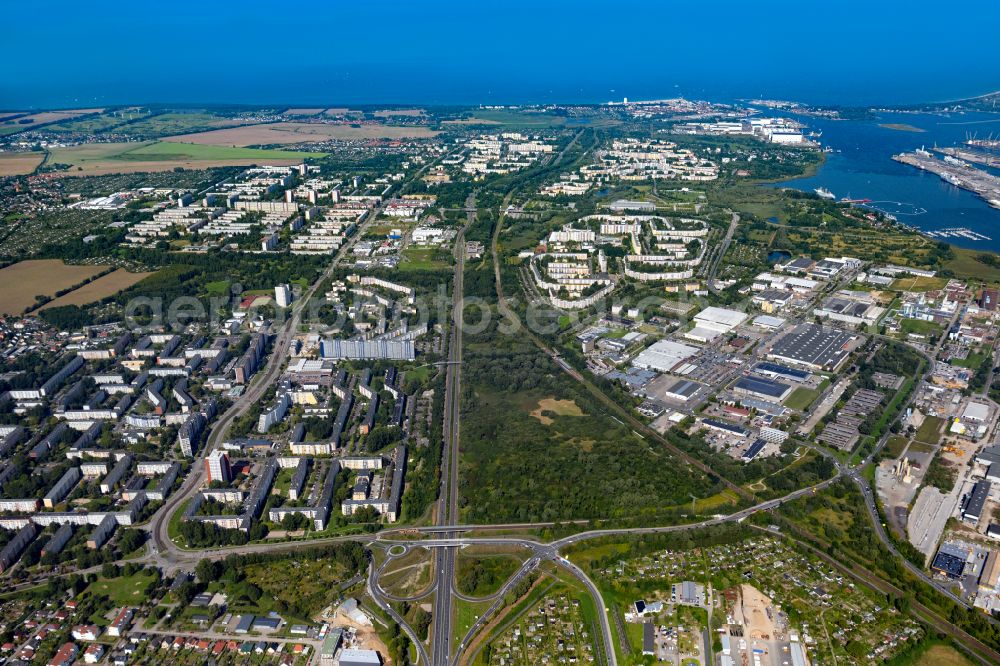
<point x="59" y="53"/>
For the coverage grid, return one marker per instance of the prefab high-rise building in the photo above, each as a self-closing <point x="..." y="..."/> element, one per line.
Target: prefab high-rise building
<point x="218" y="468"/>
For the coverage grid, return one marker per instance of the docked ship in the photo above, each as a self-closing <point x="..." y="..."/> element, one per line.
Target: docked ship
<point x="825" y="193"/>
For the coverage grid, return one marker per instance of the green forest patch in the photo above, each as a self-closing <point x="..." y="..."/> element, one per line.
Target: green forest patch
<point x="517" y="469"/>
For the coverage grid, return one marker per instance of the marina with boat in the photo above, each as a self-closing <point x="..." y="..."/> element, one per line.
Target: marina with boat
<point x="958" y="232"/>
<point x="860" y="166"/>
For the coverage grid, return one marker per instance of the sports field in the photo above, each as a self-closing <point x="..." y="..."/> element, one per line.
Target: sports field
<point x="102" y="158"/>
<point x="38" y="277"/>
<point x="289" y="133"/>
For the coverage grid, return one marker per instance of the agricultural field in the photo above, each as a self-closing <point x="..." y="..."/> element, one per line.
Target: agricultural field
<point x="102" y="287"/>
<point x="100" y="123"/>
<point x="105" y="158"/>
<point x="38" y="277"/>
<point x="31" y="121"/>
<point x="166" y="124"/>
<point x="292" y="133"/>
<point x="19" y="164"/>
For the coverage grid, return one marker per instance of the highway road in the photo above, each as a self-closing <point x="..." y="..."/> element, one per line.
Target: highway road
<point x="377" y="594"/>
<point x="723" y="248"/>
<point x="447" y="513"/>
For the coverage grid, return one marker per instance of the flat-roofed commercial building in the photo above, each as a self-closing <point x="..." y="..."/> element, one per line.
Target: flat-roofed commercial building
<point x="663" y="356"/>
<point x="973" y="508"/>
<point x="725" y="427"/>
<point x="813" y="346"/>
<point x="682" y="389"/>
<point x="759" y="387"/>
<point x="776" y="371"/>
<point x="990" y="575"/>
<point x="720" y="319"/>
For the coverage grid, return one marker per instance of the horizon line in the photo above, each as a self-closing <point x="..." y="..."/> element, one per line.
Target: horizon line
<point x="289" y="105"/>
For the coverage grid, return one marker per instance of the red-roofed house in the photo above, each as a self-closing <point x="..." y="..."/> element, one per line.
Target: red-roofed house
<point x="66" y="655"/>
<point x="93" y="653"/>
<point x="121" y="622"/>
<point x="85" y="632"/>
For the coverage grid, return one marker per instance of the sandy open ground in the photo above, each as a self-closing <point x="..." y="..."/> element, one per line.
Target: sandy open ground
<point x="102" y="287"/>
<point x="366" y="636"/>
<point x="22" y="281"/>
<point x="555" y="406"/>
<point x="289" y="133"/>
<point x="18" y="164"/>
<point x="752" y="612"/>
